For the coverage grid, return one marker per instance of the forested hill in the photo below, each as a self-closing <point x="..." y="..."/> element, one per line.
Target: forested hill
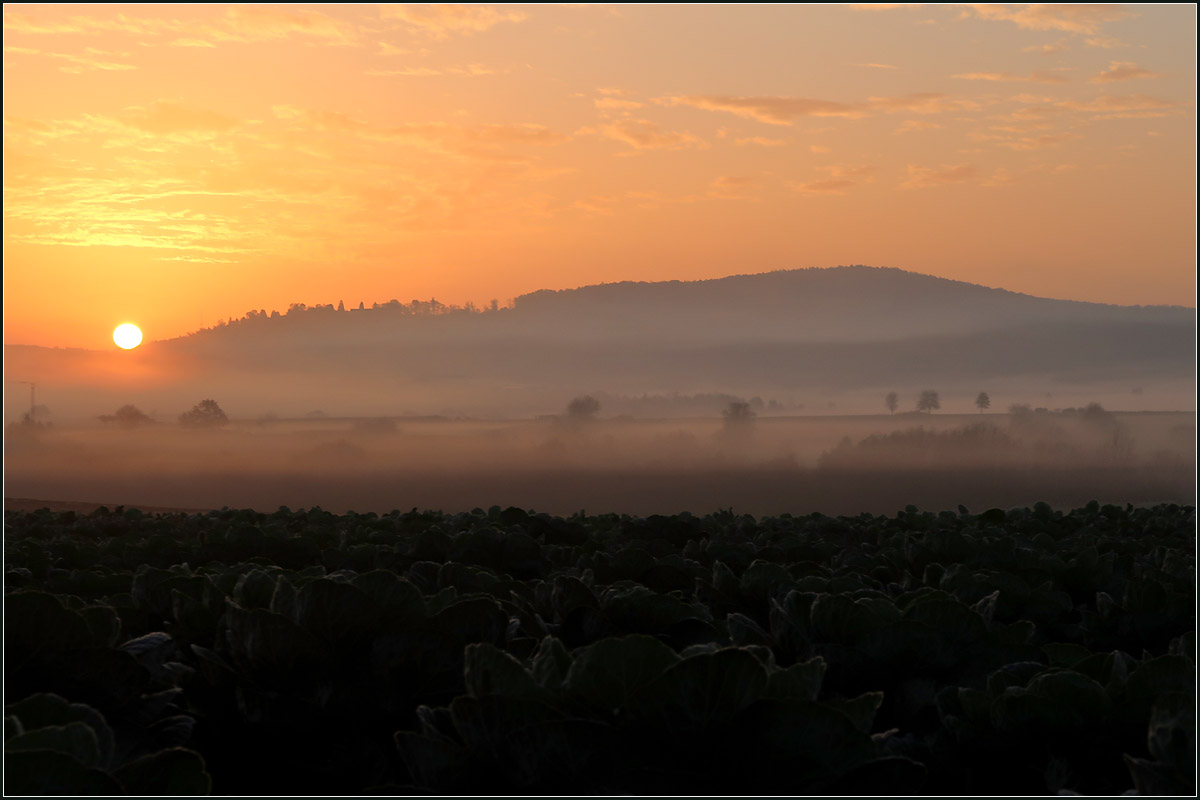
<point x="855" y="303"/>
<point x="839" y="328"/>
<point x="842" y="304"/>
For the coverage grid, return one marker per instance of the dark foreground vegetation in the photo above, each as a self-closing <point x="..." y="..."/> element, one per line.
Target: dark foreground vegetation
<point x="1010" y="652"/>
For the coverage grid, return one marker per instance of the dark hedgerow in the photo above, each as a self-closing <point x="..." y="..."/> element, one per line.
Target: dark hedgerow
<point x="1025" y="651"/>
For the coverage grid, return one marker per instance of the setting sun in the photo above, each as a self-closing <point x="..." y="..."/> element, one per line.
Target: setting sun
<point x="470" y="152"/>
<point x="127" y="336"/>
<point x="846" y="352"/>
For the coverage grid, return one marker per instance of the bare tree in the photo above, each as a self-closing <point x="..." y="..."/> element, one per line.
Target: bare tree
<point x="892" y="401"/>
<point x="983" y="401"/>
<point x="928" y="401"/>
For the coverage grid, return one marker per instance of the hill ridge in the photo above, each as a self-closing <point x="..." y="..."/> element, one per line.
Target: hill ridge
<point x="858" y="268"/>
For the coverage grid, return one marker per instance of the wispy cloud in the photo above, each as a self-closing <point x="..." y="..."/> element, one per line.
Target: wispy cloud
<point x="786" y="110"/>
<point x="256" y="23"/>
<point x="862" y="171"/>
<point x="771" y="110"/>
<point x="1105" y="42"/>
<point x="517" y="133"/>
<point x="920" y="177"/>
<point x="90" y="60"/>
<point x="608" y="103"/>
<point x="168" y="118"/>
<point x="1033" y="77"/>
<point x="830" y="186"/>
<point x="186" y="42"/>
<point x="1129" y="105"/>
<point x="640" y="199"/>
<point x="999" y="177"/>
<point x="841" y="178"/>
<point x="1082" y="18"/>
<point x="469" y="71"/>
<point x="732" y="187"/>
<point x="21" y="22"/>
<point x="913" y="125"/>
<point x="487" y="142"/>
<point x="1050" y="49"/>
<point x="238" y="24"/>
<point x="442" y="20"/>
<point x="921" y="103"/>
<point x="387" y="50"/>
<point x="642" y="134"/>
<point x="760" y="141"/>
<point x="1021" y="141"/>
<point x="1123" y="71"/>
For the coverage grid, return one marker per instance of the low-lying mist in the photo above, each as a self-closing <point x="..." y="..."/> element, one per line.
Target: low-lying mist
<point x="758" y="465"/>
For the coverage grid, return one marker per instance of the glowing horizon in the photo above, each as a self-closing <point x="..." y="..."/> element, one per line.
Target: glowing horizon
<point x="179" y="165"/>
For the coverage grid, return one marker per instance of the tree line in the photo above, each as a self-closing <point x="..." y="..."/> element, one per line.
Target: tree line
<point x="414" y="308"/>
<point x="205" y="414"/>
<point x="929" y="401"/>
<point x="209" y="414"/>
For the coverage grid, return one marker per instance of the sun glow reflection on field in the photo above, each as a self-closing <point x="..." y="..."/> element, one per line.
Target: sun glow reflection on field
<point x="127" y="336"/>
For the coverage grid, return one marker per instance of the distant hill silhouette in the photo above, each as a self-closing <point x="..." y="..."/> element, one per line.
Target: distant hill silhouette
<point x="855" y="303"/>
<point x="840" y="329"/>
<point x="840" y="304"/>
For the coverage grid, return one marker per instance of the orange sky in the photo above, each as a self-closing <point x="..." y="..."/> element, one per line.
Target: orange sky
<point x="175" y="165"/>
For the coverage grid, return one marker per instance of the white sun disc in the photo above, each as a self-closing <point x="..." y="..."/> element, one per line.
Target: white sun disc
<point x="127" y="336"/>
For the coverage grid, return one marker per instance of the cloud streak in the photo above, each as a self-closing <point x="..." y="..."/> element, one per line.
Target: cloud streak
<point x="914" y="125"/>
<point x="1083" y="18"/>
<point x="91" y="60"/>
<point x="920" y="177"/>
<point x="258" y="23"/>
<point x="20" y="22"/>
<point x="1123" y="71"/>
<point x="170" y="118"/>
<point x="759" y="141"/>
<point x="616" y="104"/>
<point x="770" y="110"/>
<point x="642" y="134"/>
<point x="732" y="187"/>
<point x="1009" y="77"/>
<point x="786" y="110"/>
<point x="468" y="71"/>
<point x="443" y="20"/>
<point x="1129" y="105"/>
<point x="829" y="186"/>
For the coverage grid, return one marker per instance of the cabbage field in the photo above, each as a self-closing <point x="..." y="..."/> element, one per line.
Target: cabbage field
<point x="1021" y="651"/>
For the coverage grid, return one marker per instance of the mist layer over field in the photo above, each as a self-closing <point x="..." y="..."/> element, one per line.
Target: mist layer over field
<point x="813" y="341"/>
<point x="424" y="405"/>
<point x="763" y="465"/>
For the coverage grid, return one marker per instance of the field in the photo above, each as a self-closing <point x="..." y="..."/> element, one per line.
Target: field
<point x="991" y="645"/>
<point x="1020" y="651"/>
<point x="775" y="465"/>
